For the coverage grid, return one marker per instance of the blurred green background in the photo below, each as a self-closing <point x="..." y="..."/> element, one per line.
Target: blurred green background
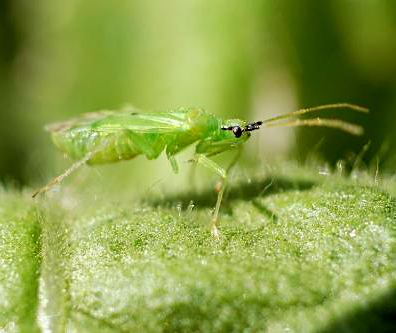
<point x="249" y="59"/>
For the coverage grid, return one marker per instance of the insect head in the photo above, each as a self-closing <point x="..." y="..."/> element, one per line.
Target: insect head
<point x="238" y="130"/>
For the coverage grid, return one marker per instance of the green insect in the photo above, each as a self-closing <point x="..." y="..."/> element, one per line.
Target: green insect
<point x="111" y="136"/>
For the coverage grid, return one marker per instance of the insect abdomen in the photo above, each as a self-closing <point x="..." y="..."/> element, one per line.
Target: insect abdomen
<point x="110" y="148"/>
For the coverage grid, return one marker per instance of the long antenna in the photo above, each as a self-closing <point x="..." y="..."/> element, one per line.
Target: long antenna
<point x="349" y="106"/>
<point x="323" y="122"/>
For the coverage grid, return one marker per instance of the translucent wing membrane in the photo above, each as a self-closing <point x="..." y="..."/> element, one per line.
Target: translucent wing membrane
<point x="84" y="119"/>
<point x="300" y="112"/>
<point x="143" y="123"/>
<point x="127" y="119"/>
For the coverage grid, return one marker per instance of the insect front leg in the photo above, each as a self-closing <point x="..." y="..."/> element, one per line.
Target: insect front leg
<point x="211" y="165"/>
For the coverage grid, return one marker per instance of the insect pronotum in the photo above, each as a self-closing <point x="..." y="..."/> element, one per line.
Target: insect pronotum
<point x="110" y="136"/>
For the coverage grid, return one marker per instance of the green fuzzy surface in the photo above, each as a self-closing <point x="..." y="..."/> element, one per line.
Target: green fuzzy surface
<point x="297" y="253"/>
<point x="19" y="264"/>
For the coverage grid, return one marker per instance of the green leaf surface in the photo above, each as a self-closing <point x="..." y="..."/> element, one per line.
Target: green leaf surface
<point x="19" y="264"/>
<point x="295" y="254"/>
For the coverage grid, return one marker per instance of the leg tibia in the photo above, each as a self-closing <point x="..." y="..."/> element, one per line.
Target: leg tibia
<point x="213" y="166"/>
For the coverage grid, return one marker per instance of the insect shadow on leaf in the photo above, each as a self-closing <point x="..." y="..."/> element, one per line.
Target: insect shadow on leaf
<point x="242" y="190"/>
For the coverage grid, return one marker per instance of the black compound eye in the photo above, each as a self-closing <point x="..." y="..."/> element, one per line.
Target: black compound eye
<point x="237" y="131"/>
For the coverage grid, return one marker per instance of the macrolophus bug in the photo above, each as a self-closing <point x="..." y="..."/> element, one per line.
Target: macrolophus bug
<point x="110" y="136"/>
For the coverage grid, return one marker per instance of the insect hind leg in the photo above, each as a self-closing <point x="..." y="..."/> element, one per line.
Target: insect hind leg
<point x="74" y="167"/>
<point x="60" y="178"/>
